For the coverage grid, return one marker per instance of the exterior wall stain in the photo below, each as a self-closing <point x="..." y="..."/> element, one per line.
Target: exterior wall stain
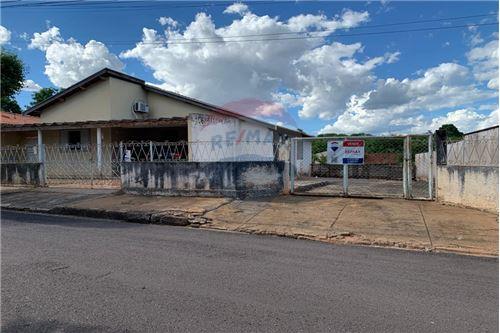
<point x="471" y="186"/>
<point x="230" y="179"/>
<point x="20" y="174"/>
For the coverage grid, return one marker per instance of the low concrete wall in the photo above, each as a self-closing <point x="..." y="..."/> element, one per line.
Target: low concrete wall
<point x="365" y="171"/>
<point x="471" y="186"/>
<point x="229" y="179"/>
<point x="20" y="174"/>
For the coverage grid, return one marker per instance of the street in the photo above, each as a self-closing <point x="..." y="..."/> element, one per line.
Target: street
<point x="79" y="274"/>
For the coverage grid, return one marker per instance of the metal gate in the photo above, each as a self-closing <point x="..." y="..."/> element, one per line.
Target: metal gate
<point x="82" y="165"/>
<point x="392" y="166"/>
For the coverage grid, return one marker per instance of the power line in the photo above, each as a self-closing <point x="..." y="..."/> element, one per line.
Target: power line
<point x="221" y="39"/>
<point x="329" y="30"/>
<point x="133" y="5"/>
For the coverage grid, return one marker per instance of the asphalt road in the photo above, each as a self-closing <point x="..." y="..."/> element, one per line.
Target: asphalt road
<point x="68" y="274"/>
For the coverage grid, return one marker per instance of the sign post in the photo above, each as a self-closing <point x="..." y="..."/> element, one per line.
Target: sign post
<point x="346" y="152"/>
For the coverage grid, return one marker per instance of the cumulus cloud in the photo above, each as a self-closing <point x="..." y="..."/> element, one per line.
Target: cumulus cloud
<point x="407" y="105"/>
<point x="31" y="86"/>
<point x="4" y="35"/>
<point x="69" y="61"/>
<point x="236" y="8"/>
<point x="164" y="20"/>
<point x="466" y="120"/>
<point x="229" y="70"/>
<point x="484" y="62"/>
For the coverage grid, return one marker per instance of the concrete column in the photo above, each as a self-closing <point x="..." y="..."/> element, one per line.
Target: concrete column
<point x="293" y="158"/>
<point x="41" y="158"/>
<point x="99" y="149"/>
<point x="431" y="166"/>
<point x="345" y="180"/>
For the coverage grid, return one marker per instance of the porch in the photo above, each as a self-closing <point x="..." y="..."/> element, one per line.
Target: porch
<point x="86" y="154"/>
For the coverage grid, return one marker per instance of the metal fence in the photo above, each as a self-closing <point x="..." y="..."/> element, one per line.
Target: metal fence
<point x="18" y="154"/>
<point x="389" y="168"/>
<point x="203" y="151"/>
<point x="472" y="152"/>
<point x="99" y="165"/>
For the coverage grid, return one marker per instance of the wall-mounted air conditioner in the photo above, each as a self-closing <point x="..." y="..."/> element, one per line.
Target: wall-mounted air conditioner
<point x="140" y="106"/>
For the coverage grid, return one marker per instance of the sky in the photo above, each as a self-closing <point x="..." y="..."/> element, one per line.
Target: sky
<point x="378" y="67"/>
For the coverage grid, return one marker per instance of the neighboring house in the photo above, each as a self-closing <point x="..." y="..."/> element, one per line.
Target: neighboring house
<point x="16" y="118"/>
<point x="9" y="118"/>
<point x="111" y="107"/>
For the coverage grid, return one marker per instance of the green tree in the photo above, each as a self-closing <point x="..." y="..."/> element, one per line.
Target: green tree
<point x="43" y="94"/>
<point x="13" y="73"/>
<point x="452" y="132"/>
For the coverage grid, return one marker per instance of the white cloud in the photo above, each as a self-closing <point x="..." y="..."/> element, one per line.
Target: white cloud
<point x="69" y="61"/>
<point x="320" y="76"/>
<point x="4" y="35"/>
<point x="42" y="40"/>
<point x="236" y="8"/>
<point x="164" y="20"/>
<point x="466" y="120"/>
<point x="484" y="62"/>
<point x="393" y="57"/>
<point x="31" y="86"/>
<point x="408" y="105"/>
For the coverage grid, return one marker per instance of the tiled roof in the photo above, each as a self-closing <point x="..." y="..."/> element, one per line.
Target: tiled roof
<point x="16" y="118"/>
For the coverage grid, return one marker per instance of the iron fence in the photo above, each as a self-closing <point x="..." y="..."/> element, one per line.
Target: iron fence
<point x="202" y="151"/>
<point x="99" y="165"/>
<point x="472" y="152"/>
<point x="19" y="154"/>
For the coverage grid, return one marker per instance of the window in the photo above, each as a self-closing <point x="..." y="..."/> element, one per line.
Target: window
<point x="74" y="138"/>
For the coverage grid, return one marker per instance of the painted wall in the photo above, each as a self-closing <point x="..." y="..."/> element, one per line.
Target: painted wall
<point x="229" y="179"/>
<point x="219" y="138"/>
<point x="122" y="96"/>
<point x="93" y="103"/>
<point x="303" y="158"/>
<point x="112" y="99"/>
<point x="471" y="186"/>
<point x="164" y="107"/>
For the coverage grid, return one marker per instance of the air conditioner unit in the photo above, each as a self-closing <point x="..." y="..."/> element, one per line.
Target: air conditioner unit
<point x="141" y="107"/>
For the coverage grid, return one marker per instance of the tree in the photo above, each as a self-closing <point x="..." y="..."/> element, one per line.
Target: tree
<point x="43" y="94"/>
<point x="12" y="79"/>
<point x="452" y="132"/>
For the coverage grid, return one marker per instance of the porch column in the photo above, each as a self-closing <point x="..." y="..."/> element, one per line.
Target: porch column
<point x="99" y="149"/>
<point x="41" y="158"/>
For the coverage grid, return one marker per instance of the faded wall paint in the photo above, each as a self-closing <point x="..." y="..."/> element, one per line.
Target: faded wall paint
<point x="471" y="186"/>
<point x="229" y="179"/>
<point x="20" y="174"/>
<point x="228" y="139"/>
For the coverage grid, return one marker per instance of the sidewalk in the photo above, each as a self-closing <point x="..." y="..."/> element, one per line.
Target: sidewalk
<point x="377" y="222"/>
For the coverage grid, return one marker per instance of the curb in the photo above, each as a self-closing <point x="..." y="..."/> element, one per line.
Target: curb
<point x="184" y="219"/>
<point x="174" y="218"/>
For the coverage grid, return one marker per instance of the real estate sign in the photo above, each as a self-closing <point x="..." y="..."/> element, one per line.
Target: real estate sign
<point x="346" y="151"/>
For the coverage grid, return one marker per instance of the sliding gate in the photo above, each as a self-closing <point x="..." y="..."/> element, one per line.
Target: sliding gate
<point x="364" y="166"/>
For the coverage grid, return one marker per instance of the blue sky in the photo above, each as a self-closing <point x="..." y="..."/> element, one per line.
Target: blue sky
<point x="388" y="83"/>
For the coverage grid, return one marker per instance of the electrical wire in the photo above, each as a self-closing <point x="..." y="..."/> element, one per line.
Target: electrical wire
<point x="221" y="39"/>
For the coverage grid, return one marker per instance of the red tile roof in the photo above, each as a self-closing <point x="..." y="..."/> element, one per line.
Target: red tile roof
<point x="16" y="118"/>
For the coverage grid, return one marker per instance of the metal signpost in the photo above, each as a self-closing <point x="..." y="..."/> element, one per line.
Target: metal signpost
<point x="346" y="152"/>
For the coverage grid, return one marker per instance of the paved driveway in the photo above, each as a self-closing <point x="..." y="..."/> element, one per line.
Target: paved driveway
<point x="65" y="274"/>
